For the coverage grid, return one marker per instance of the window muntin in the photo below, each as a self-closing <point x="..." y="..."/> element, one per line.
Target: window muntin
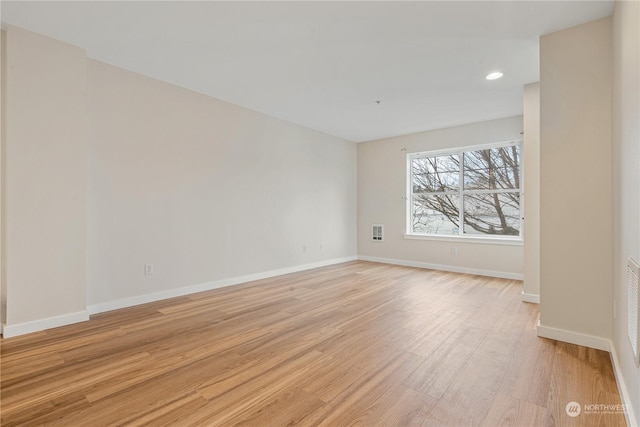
<point x="483" y="193"/>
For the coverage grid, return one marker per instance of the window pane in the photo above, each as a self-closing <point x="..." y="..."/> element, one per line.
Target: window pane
<point x="493" y="213"/>
<point x="436" y="214"/>
<point x="491" y="169"/>
<point x="435" y="174"/>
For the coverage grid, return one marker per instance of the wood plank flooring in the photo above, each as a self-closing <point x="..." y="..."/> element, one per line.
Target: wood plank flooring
<point x="354" y="344"/>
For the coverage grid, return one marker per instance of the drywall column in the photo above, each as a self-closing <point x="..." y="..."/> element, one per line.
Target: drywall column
<point x="45" y="182"/>
<point x="626" y="190"/>
<point x="531" y="113"/>
<point x="3" y="283"/>
<point x="575" y="185"/>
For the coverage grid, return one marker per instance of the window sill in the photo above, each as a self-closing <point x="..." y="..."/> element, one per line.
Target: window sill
<point x="468" y="239"/>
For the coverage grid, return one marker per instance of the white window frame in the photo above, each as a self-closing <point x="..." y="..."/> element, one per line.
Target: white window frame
<point x="493" y="239"/>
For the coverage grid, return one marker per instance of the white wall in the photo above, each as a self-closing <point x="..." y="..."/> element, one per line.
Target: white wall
<point x="205" y="190"/>
<point x="575" y="183"/>
<point x="45" y="179"/>
<point x="382" y="185"/>
<point x="626" y="180"/>
<point x="531" y="161"/>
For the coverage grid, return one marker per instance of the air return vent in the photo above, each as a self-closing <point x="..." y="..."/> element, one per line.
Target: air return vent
<point x="377" y="232"/>
<point x="633" y="301"/>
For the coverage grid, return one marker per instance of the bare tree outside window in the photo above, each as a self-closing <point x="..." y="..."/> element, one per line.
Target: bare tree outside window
<point x="468" y="192"/>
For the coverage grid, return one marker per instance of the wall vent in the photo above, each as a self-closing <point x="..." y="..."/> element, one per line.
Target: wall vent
<point x="633" y="301"/>
<point x="377" y="232"/>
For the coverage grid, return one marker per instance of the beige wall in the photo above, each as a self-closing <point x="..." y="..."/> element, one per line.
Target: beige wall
<point x="107" y="170"/>
<point x="205" y="190"/>
<point x="575" y="181"/>
<point x="626" y="180"/>
<point x="382" y="185"/>
<point x="531" y="161"/>
<point x="45" y="178"/>
<point x="3" y="281"/>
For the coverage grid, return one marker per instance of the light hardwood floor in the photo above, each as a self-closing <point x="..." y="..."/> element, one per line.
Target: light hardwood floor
<point x="354" y="344"/>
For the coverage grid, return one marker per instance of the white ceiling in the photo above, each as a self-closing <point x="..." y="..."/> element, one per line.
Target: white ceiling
<point x="324" y="64"/>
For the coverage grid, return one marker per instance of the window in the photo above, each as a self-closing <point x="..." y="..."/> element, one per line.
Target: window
<point x="466" y="192"/>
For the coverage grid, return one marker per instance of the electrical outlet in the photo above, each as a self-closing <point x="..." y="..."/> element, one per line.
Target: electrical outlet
<point x="454" y="250"/>
<point x="148" y="269"/>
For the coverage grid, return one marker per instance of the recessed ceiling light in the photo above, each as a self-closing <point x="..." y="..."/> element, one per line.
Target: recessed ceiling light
<point x="495" y="75"/>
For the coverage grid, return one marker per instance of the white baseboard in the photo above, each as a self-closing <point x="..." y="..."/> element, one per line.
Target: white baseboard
<point x="600" y="344"/>
<point x="442" y="267"/>
<point x="171" y="293"/>
<point x="573" y="337"/>
<point x="532" y="298"/>
<point x="630" y="415"/>
<point x="9" y="331"/>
